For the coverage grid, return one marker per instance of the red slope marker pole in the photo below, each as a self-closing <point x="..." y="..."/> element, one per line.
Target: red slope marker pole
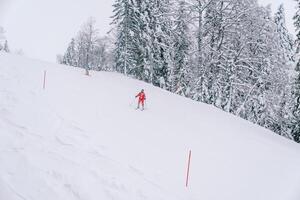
<point x="188" y="169"/>
<point x="44" y="83"/>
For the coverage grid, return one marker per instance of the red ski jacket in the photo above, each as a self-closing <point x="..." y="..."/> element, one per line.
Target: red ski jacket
<point x="142" y="96"/>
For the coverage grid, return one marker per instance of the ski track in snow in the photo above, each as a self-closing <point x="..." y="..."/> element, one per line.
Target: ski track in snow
<point x="82" y="139"/>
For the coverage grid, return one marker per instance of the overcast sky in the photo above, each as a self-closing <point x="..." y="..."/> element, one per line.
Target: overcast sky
<point x="43" y="28"/>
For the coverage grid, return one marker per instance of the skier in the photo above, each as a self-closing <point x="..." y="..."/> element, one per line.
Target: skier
<point x="142" y="98"/>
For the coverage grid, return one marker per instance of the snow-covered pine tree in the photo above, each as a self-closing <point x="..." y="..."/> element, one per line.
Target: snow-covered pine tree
<point x="143" y="30"/>
<point x="295" y="123"/>
<point x="70" y="57"/>
<point x="197" y="10"/>
<point x="181" y="71"/>
<point x="142" y="43"/>
<point x="282" y="117"/>
<point x="159" y="33"/>
<point x="80" y="50"/>
<point x="296" y="108"/>
<point x="127" y="36"/>
<point x="213" y="33"/>
<point x="279" y="93"/>
<point x="285" y="39"/>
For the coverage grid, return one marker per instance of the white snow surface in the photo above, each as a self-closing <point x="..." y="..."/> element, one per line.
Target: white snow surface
<point x="82" y="139"/>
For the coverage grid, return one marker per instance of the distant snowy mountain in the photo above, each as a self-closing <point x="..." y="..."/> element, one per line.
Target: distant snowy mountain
<point x="81" y="138"/>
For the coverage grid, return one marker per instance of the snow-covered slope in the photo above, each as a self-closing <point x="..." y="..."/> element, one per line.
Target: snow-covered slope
<point x="81" y="138"/>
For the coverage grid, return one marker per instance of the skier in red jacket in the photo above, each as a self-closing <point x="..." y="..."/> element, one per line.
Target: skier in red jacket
<point x="142" y="98"/>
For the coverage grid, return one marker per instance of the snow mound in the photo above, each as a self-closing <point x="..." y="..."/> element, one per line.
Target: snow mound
<point x="82" y="139"/>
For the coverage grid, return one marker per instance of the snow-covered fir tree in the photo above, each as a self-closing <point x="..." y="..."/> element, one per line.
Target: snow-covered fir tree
<point x="70" y="57"/>
<point x="199" y="89"/>
<point x="278" y="79"/>
<point x="181" y="70"/>
<point x="127" y="36"/>
<point x="285" y="39"/>
<point x="213" y="40"/>
<point x="142" y="44"/>
<point x="159" y="32"/>
<point x="296" y="108"/>
<point x="285" y="64"/>
<point x="143" y="40"/>
<point x="295" y="123"/>
<point x="81" y="51"/>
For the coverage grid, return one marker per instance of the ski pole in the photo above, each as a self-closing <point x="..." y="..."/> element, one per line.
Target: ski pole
<point x="132" y="102"/>
<point x="44" y="80"/>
